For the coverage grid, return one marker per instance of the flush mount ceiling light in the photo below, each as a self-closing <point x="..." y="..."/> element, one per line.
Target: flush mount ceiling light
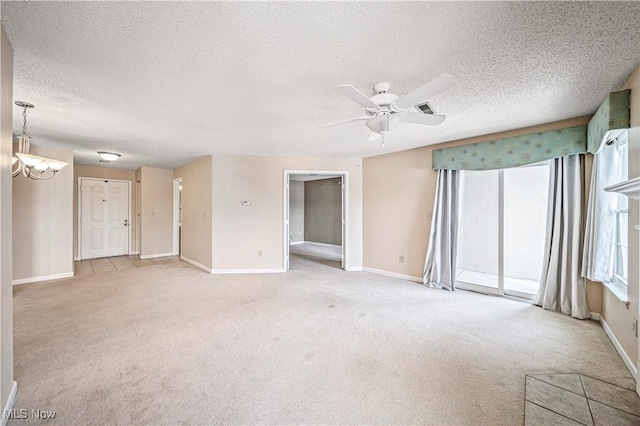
<point x="107" y="157"/>
<point x="32" y="166"/>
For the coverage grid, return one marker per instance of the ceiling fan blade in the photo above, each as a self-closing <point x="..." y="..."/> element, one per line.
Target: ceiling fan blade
<point x="356" y="96"/>
<point x="373" y="136"/>
<point x="344" y="121"/>
<point x="424" y="92"/>
<point x="418" y="118"/>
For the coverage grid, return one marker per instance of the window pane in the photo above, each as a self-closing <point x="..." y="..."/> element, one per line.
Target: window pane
<point x="621" y="264"/>
<point x="478" y="232"/>
<point x="526" y="191"/>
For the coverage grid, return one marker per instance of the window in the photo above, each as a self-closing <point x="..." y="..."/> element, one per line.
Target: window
<point x="620" y="255"/>
<point x="502" y="230"/>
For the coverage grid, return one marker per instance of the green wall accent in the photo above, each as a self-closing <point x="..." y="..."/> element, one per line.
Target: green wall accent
<point x="512" y="152"/>
<point x="613" y="114"/>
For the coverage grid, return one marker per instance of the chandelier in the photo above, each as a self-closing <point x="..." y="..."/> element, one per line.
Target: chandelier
<point x="32" y="166"/>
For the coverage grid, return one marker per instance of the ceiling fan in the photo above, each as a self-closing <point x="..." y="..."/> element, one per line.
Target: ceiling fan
<point x="384" y="111"/>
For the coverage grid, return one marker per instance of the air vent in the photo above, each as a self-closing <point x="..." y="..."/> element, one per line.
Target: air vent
<point x="425" y="108"/>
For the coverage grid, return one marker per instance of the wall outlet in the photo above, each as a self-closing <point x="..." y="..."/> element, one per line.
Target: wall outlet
<point x="259" y="253"/>
<point x="401" y="259"/>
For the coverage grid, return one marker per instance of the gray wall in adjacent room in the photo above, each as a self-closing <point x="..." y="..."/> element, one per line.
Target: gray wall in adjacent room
<point x="323" y="211"/>
<point x="296" y="211"/>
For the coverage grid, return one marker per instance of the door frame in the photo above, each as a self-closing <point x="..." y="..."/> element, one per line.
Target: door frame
<point x="80" y="179"/>
<point x="345" y="211"/>
<point x="177" y="205"/>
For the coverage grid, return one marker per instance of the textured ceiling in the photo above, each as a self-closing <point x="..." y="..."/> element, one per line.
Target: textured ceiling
<point x="166" y="82"/>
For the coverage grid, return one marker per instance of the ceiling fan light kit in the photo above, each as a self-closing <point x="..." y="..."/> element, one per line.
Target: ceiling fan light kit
<point x="384" y="111"/>
<point x="32" y="166"/>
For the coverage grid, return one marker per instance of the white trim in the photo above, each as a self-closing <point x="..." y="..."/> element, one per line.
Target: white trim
<point x="353" y="269"/>
<point x="11" y="402"/>
<point x="295" y="243"/>
<point x="625" y="358"/>
<point x="595" y="316"/>
<point x="630" y="188"/>
<point x="80" y="178"/>
<point x="344" y="174"/>
<point x="248" y="271"/>
<point x="619" y="290"/>
<point x="196" y="264"/>
<point x="134" y="253"/>
<point x="393" y="274"/>
<point x="153" y="256"/>
<point x="42" y="278"/>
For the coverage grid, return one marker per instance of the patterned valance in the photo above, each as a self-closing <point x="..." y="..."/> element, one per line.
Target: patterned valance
<point x="512" y="152"/>
<point x="613" y="114"/>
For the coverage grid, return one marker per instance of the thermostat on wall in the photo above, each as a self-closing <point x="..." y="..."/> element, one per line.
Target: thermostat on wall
<point x="246" y="203"/>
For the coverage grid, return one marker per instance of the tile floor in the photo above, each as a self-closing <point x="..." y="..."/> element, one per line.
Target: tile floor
<point x="118" y="263"/>
<point x="576" y="399"/>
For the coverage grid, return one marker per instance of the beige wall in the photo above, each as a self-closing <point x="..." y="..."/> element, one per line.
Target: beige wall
<point x="197" y="209"/>
<point x="296" y="211"/>
<point x="104" y="173"/>
<point x="43" y="221"/>
<point x="239" y="232"/>
<point x="323" y="211"/>
<point x="156" y="215"/>
<point x="398" y="191"/>
<point x="6" y="249"/>
<point x="617" y="316"/>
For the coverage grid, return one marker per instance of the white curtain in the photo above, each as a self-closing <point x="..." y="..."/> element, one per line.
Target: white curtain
<point x="561" y="286"/>
<point x="597" y="260"/>
<point x="440" y="263"/>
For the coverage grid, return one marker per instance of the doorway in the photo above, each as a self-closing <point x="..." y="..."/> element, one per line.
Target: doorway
<point x="315" y="218"/>
<point x="177" y="216"/>
<point x="104" y="218"/>
<point x="502" y="230"/>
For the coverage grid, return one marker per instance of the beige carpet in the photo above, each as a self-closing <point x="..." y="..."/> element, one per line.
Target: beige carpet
<point x="169" y="344"/>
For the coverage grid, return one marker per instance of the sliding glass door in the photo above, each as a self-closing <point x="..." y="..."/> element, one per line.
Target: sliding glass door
<point x="502" y="230"/>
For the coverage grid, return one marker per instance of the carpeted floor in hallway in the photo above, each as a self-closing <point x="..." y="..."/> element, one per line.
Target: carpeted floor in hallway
<point x="170" y="344"/>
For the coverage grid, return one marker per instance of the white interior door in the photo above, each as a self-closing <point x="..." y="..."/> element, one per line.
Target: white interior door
<point x="344" y="220"/>
<point x="104" y="218"/>
<point x="286" y="222"/>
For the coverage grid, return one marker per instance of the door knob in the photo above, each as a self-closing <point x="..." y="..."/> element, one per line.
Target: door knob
<point x="126" y="222"/>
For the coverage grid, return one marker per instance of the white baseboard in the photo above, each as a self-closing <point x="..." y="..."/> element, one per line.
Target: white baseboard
<point x="196" y="264"/>
<point x="595" y="316"/>
<point x="11" y="402"/>
<point x="153" y="256"/>
<point x="42" y="278"/>
<point x="321" y="244"/>
<point x="353" y="268"/>
<point x="248" y="271"/>
<point x="295" y="243"/>
<point x="393" y="274"/>
<point x="625" y="358"/>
